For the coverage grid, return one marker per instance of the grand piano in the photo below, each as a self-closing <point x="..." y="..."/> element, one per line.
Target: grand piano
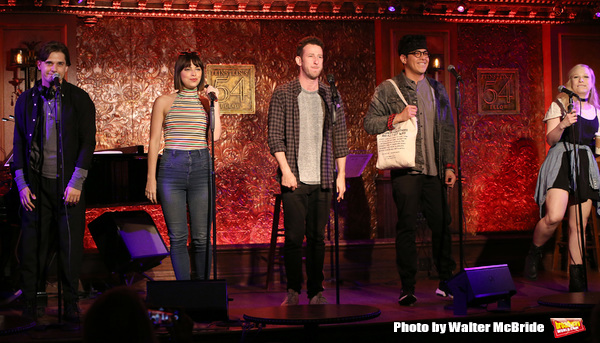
<point x="117" y="178"/>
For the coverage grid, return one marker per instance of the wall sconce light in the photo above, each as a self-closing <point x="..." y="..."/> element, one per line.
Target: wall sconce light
<point x="461" y="7"/>
<point x="22" y="59"/>
<point x="16" y="83"/>
<point x="18" y="58"/>
<point x="436" y="63"/>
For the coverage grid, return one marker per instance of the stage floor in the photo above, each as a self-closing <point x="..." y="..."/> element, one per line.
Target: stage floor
<point x="428" y="310"/>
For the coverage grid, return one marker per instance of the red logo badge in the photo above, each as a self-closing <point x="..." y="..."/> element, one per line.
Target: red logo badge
<point x="567" y="326"/>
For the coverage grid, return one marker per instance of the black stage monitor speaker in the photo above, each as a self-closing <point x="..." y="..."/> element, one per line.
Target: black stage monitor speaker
<point x="128" y="241"/>
<point x="201" y="300"/>
<point x="482" y="285"/>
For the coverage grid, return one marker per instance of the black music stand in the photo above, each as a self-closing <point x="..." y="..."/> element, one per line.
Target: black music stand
<point x="355" y="165"/>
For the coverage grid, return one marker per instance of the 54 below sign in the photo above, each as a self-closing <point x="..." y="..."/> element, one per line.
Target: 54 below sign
<point x="498" y="91"/>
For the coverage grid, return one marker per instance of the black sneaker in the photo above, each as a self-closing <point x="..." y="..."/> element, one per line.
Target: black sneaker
<point x="443" y="290"/>
<point x="407" y="299"/>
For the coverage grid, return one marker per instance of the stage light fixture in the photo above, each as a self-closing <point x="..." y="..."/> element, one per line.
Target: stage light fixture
<point x="461" y="7"/>
<point x="393" y="5"/>
<point x="427" y="6"/>
<point x="558" y="9"/>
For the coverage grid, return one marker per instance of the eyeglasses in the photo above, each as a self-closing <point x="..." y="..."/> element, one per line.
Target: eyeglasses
<point x="419" y="53"/>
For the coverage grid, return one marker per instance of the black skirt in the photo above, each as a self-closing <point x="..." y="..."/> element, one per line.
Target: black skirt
<point x="564" y="179"/>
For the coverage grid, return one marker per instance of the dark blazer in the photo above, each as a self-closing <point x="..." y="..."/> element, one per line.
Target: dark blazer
<point x="78" y="130"/>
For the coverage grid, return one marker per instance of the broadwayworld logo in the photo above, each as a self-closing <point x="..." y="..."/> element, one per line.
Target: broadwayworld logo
<point x="567" y="326"/>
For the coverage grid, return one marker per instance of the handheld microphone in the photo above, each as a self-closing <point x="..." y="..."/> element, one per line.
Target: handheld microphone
<point x="211" y="96"/>
<point x="563" y="89"/>
<point x="56" y="80"/>
<point x="452" y="70"/>
<point x="334" y="96"/>
<point x="334" y="92"/>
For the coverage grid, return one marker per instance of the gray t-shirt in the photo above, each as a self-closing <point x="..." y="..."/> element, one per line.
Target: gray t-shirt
<point x="311" y="137"/>
<point x="49" y="168"/>
<point x="426" y="116"/>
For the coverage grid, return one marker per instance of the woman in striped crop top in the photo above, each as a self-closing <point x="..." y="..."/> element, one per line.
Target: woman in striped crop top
<point x="183" y="180"/>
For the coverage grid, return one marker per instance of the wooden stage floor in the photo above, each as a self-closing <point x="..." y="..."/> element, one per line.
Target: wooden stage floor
<point x="429" y="309"/>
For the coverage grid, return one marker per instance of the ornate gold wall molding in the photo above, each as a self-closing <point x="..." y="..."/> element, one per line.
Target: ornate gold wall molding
<point x="490" y="11"/>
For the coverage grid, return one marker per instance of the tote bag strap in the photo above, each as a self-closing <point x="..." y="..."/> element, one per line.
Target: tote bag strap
<point x="398" y="90"/>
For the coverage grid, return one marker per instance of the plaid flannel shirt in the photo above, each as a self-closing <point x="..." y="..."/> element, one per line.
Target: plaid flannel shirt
<point x="284" y="129"/>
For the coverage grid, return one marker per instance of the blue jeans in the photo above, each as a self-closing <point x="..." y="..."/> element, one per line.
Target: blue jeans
<point x="184" y="178"/>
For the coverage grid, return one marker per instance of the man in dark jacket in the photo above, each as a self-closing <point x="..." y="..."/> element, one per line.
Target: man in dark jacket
<point x="434" y="168"/>
<point x="50" y="166"/>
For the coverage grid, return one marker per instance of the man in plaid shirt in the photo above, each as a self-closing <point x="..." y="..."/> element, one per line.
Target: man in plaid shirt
<point x="307" y="131"/>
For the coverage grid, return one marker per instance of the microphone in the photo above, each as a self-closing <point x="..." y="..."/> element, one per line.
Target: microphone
<point x="212" y="96"/>
<point x="334" y="93"/>
<point x="56" y="80"/>
<point x="454" y="72"/>
<point x="563" y="89"/>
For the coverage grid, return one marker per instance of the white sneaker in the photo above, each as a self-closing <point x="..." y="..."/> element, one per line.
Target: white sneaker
<point x="291" y="298"/>
<point x="318" y="299"/>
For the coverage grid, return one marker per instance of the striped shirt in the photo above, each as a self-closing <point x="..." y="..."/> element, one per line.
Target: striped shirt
<point x="186" y="123"/>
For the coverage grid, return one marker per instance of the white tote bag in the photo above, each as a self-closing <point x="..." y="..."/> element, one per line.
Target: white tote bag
<point x="396" y="148"/>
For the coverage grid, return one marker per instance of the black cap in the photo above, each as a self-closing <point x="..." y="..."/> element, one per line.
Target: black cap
<point x="410" y="43"/>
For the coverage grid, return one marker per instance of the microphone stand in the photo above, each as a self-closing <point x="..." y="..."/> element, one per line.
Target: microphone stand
<point x="61" y="184"/>
<point x="336" y="104"/>
<point x="577" y="192"/>
<point x="459" y="171"/>
<point x="212" y="195"/>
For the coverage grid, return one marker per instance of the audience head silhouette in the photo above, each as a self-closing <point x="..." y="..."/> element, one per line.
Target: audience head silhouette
<point x="118" y="315"/>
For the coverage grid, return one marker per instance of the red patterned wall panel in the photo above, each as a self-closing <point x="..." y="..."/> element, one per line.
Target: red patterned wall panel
<point x="501" y="154"/>
<point x="126" y="63"/>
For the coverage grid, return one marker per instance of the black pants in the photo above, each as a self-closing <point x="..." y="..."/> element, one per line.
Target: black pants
<point x="414" y="194"/>
<point x="305" y="213"/>
<point x="51" y="226"/>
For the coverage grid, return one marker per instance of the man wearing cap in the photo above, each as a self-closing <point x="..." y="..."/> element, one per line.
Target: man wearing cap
<point x="434" y="169"/>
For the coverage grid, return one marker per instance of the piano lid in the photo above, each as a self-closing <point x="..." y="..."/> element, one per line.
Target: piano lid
<point x="117" y="177"/>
